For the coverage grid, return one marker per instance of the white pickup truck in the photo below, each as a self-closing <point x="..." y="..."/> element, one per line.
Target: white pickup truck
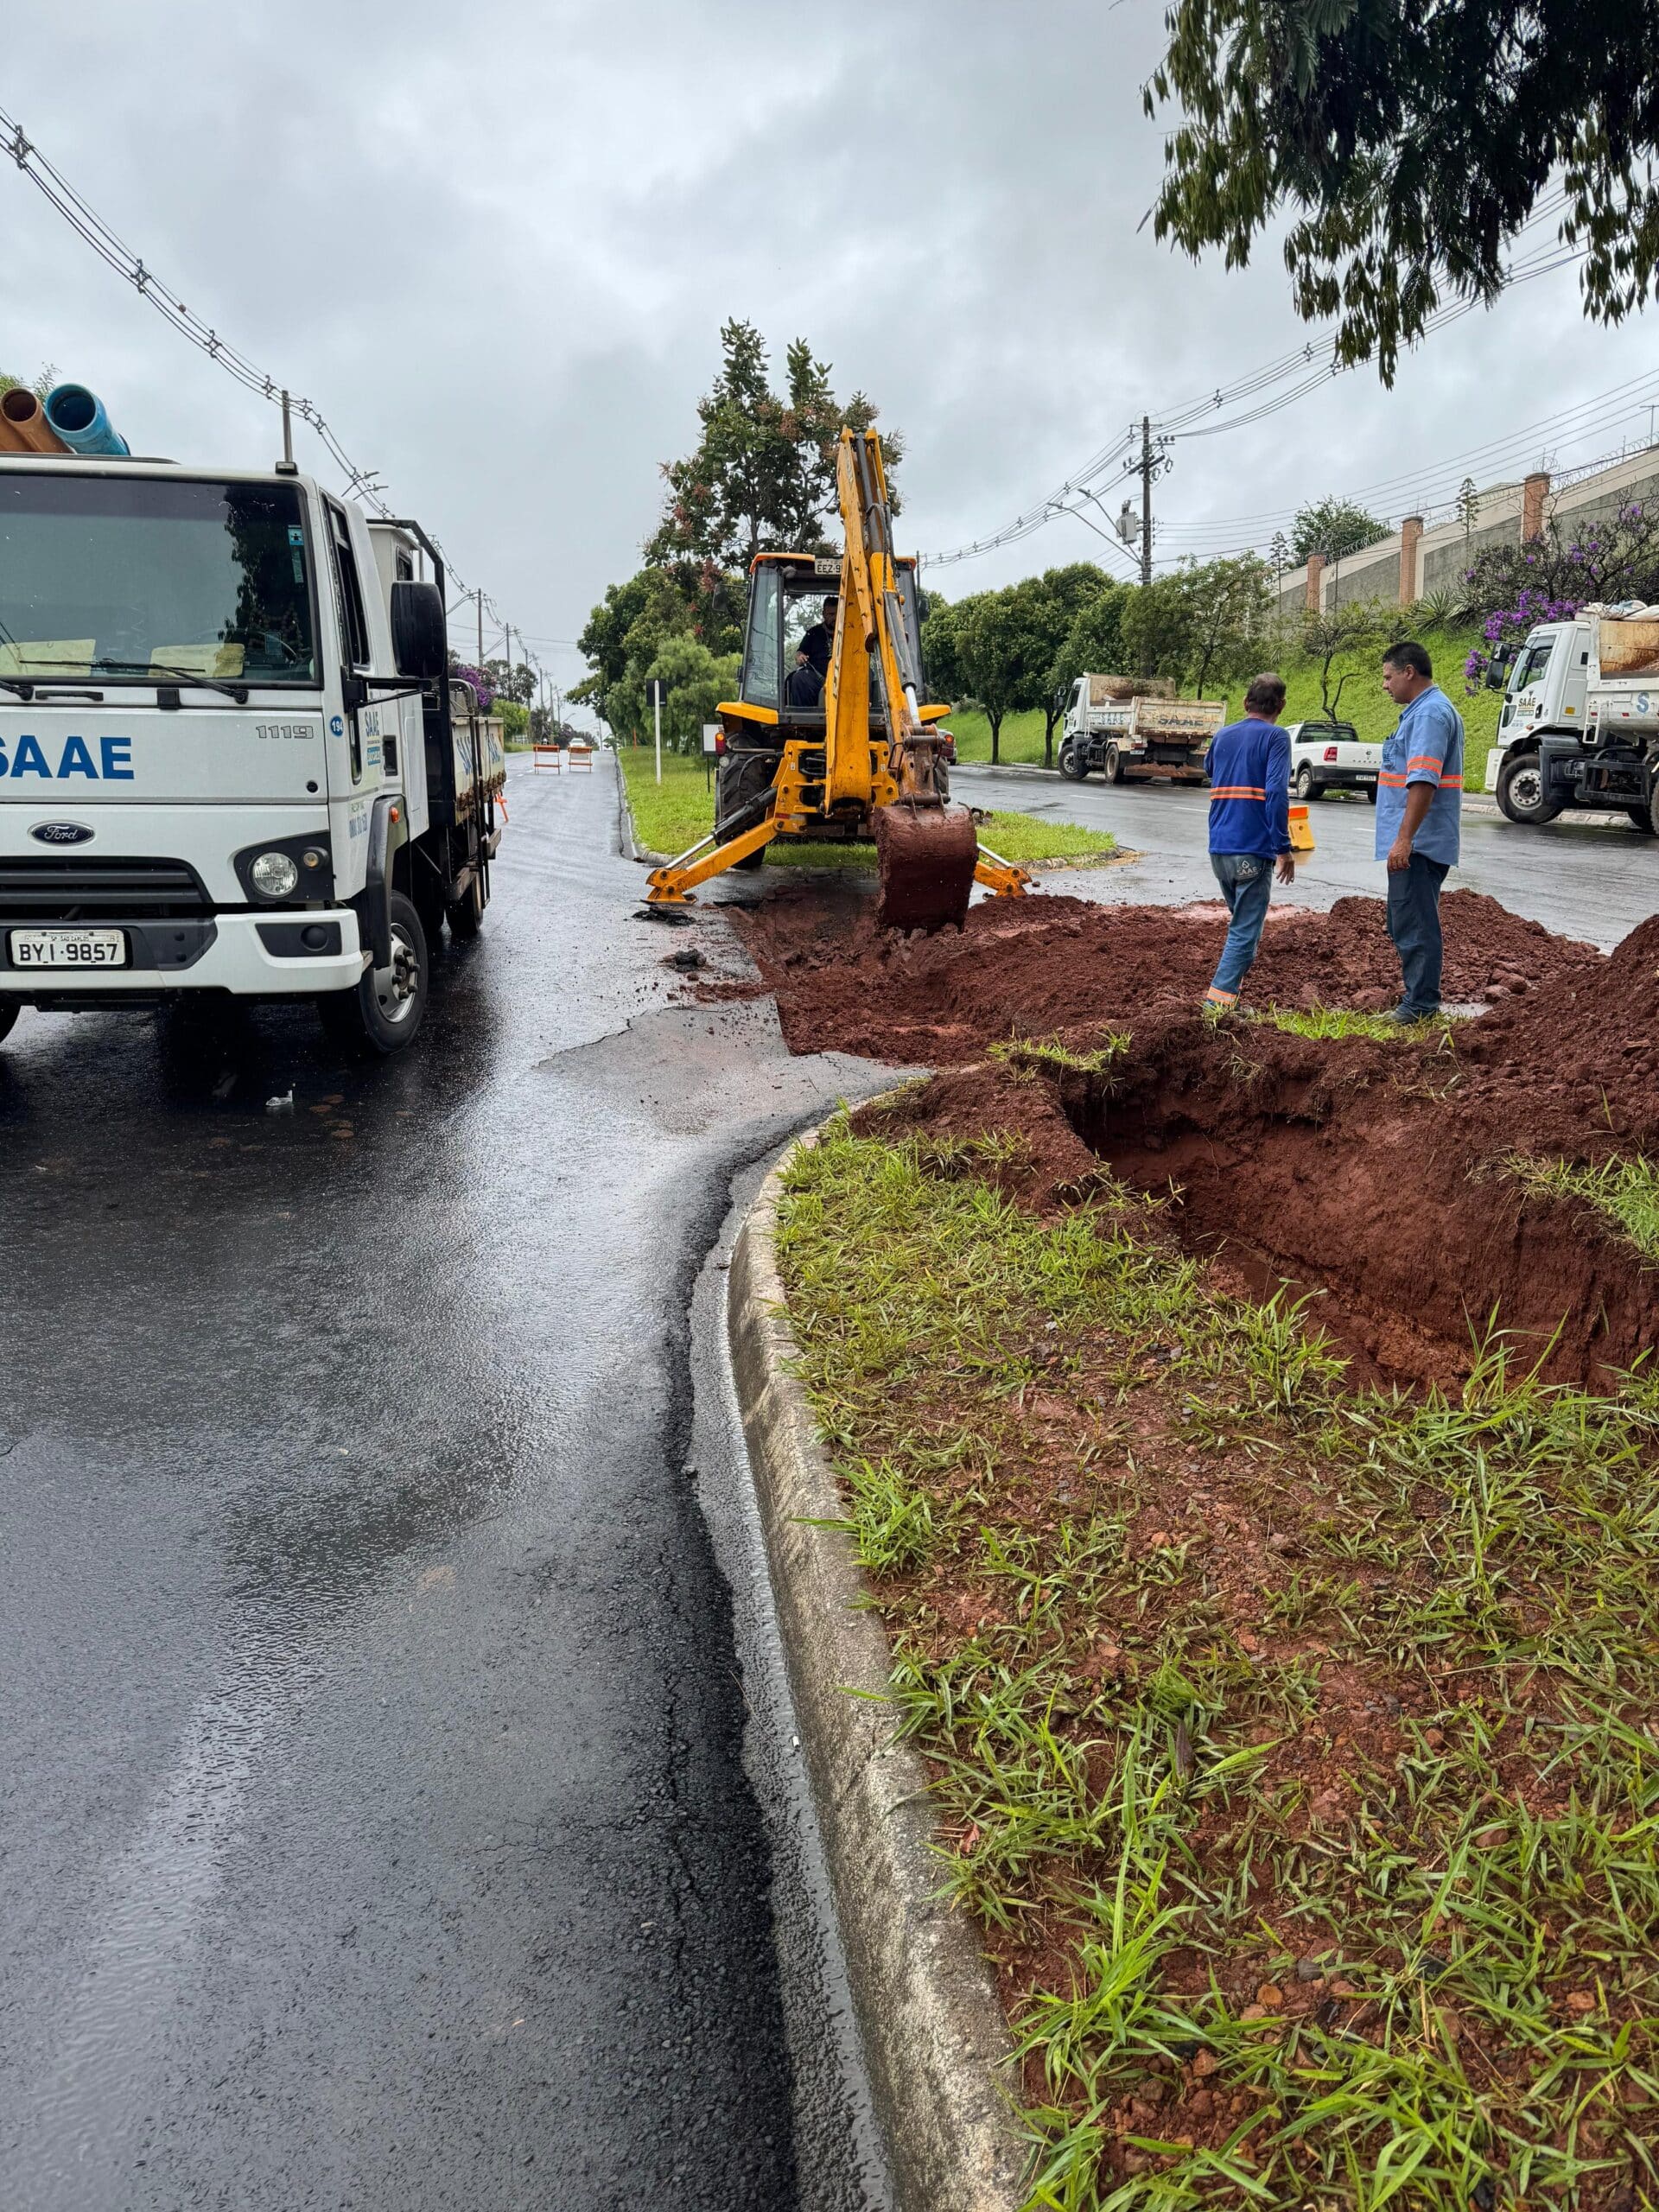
<point x="231" y="756"/>
<point x="1579" y="724"/>
<point x="1332" y="756"/>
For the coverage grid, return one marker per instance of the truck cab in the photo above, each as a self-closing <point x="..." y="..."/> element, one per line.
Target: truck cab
<point x="1544" y="690"/>
<point x="227" y="734"/>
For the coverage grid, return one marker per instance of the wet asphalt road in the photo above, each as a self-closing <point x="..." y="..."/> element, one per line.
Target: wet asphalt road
<point x="1575" y="877"/>
<point x="398" y="1810"/>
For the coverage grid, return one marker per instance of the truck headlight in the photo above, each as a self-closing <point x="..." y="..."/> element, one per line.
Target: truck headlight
<point x="275" y="876"/>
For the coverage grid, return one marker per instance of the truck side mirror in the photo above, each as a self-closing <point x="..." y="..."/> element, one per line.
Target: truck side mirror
<point x="1498" y="667"/>
<point x="420" y="633"/>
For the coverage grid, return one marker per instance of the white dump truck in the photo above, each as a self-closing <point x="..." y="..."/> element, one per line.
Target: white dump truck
<point x="1126" y="724"/>
<point x="1579" y="724"/>
<point x="233" y="760"/>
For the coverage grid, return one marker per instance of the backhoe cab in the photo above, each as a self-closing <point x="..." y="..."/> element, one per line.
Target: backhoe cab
<point x="858" y="758"/>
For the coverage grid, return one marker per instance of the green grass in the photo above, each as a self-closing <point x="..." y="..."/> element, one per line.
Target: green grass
<point x="669" y="817"/>
<point x="1164" y="1762"/>
<point x="1363" y="702"/>
<point x="1324" y="1021"/>
<point x="1624" y="1191"/>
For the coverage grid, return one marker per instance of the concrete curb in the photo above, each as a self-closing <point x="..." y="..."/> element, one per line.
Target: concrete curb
<point x="934" y="2035"/>
<point x="631" y="848"/>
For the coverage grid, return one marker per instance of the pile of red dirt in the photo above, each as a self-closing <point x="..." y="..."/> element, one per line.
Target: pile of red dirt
<point x="1034" y="967"/>
<point x="1373" y="1174"/>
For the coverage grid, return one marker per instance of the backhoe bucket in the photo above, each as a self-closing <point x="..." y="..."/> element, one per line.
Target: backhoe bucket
<point x="927" y="856"/>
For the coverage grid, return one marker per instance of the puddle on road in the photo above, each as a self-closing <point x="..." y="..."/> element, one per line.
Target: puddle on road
<point x="686" y="1070"/>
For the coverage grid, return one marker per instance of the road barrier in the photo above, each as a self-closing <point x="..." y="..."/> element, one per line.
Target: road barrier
<point x="582" y="759"/>
<point x="547" y="756"/>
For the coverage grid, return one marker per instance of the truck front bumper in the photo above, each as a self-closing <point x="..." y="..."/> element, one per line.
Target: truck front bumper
<point x="264" y="956"/>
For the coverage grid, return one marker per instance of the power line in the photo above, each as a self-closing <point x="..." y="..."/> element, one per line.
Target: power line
<point x="90" y="226"/>
<point x="1182" y="421"/>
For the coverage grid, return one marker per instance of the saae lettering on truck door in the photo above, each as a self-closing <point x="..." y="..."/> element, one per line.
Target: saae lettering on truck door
<point x="112" y="765"/>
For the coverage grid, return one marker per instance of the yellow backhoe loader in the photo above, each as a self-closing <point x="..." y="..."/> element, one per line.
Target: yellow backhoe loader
<point x="861" y="757"/>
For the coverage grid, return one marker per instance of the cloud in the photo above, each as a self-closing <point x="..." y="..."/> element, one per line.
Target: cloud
<point x="495" y="246"/>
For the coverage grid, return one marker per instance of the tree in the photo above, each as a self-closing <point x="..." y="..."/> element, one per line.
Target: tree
<point x="479" y="681"/>
<point x="1551" y="576"/>
<point x="517" y="683"/>
<point x="1326" y="632"/>
<point x="1157" y="628"/>
<point x="1093" y="645"/>
<point x="763" y="475"/>
<point x="1411" y="142"/>
<point x="39" y="385"/>
<point x="1279" y="555"/>
<point x="942" y="648"/>
<point x="1052" y="603"/>
<point x="1000" y="645"/>
<point x="623" y="636"/>
<point x="1335" y="528"/>
<point x="1468" y="508"/>
<point x="1230" y="606"/>
<point x="698" y="681"/>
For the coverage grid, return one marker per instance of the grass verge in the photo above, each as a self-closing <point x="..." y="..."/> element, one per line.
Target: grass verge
<point x="669" y="816"/>
<point x="1293" y="1745"/>
<point x="1624" y="1192"/>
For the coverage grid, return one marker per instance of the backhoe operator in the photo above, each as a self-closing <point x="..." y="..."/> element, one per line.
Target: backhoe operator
<point x="805" y="686"/>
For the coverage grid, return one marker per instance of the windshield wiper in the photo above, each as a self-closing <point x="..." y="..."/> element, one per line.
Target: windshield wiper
<point x="20" y="684"/>
<point x="237" y="691"/>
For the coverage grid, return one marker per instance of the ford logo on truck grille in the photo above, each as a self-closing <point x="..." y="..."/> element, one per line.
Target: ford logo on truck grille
<point x="61" y="833"/>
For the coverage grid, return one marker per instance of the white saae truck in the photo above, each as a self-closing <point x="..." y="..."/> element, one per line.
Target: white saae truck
<point x="232" y="758"/>
<point x="1121" y="724"/>
<point x="1579" y="724"/>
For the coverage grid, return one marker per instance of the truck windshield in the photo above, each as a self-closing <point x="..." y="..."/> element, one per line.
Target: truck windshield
<point x="1533" y="660"/>
<point x="136" y="578"/>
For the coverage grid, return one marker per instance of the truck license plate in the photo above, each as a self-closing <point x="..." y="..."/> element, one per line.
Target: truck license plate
<point x="68" y="949"/>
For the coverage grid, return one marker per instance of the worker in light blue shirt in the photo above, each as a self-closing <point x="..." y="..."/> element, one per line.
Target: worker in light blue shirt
<point x="1419" y="799"/>
<point x="1249" y="768"/>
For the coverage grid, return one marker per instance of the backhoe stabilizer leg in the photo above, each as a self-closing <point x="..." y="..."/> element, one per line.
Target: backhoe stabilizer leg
<point x="1000" y="876"/>
<point x="673" y="884"/>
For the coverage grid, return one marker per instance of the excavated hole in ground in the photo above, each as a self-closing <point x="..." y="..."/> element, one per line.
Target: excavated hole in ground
<point x="1407" y="1258"/>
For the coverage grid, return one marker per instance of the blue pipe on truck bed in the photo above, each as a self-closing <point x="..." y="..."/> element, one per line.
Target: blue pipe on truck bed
<point x="77" y="417"/>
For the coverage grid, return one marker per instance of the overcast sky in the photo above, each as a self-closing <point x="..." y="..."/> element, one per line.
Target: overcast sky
<point x="495" y="246"/>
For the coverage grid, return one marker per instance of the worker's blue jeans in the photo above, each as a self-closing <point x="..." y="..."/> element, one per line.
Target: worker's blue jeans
<point x="1246" y="880"/>
<point x="1414" y="925"/>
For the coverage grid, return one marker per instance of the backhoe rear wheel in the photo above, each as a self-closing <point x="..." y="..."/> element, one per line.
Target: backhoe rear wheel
<point x="743" y="778"/>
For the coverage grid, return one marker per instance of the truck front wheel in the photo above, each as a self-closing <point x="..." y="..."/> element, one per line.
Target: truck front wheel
<point x="1074" y="761"/>
<point x="387" y="1007"/>
<point x="1521" y="792"/>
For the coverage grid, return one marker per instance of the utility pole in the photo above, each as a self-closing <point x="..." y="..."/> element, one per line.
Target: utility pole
<point x="1145" y="498"/>
<point x="478" y="601"/>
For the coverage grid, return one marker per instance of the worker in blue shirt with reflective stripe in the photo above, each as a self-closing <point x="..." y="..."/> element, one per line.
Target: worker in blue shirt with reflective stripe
<point x="1249" y="768"/>
<point x="1419" y="805"/>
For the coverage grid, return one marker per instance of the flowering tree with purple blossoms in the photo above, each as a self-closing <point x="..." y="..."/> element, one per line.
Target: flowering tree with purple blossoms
<point x="480" y="681"/>
<point x="1551" y="577"/>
